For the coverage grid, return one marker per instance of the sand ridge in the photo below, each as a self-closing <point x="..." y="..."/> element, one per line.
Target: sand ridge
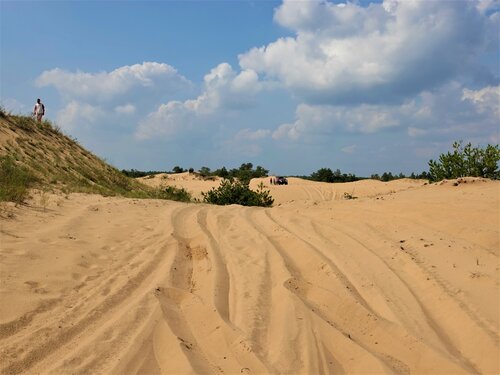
<point x="403" y="279"/>
<point x="297" y="190"/>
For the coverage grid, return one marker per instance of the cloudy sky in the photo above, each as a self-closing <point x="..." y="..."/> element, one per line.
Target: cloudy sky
<point x="293" y="86"/>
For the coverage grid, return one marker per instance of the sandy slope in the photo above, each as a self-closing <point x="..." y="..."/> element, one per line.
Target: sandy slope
<point x="194" y="184"/>
<point x="401" y="282"/>
<point x="297" y="189"/>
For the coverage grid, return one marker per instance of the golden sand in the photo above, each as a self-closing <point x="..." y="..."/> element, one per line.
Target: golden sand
<point x="403" y="279"/>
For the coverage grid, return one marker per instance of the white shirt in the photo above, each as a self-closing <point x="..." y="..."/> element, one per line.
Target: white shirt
<point x="39" y="109"/>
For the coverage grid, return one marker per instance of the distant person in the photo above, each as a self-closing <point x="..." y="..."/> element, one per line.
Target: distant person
<point x="39" y="110"/>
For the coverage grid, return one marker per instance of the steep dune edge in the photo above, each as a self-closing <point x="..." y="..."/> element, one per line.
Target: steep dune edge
<point x="404" y="284"/>
<point x="58" y="161"/>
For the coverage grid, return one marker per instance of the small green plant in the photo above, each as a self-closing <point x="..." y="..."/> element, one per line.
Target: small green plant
<point x="14" y="181"/>
<point x="349" y="196"/>
<point x="232" y="191"/>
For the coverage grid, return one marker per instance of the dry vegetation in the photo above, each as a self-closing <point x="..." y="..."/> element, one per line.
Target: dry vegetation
<point x="43" y="154"/>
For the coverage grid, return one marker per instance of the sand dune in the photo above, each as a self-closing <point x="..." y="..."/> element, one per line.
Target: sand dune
<point x="297" y="189"/>
<point x="193" y="183"/>
<point x="403" y="279"/>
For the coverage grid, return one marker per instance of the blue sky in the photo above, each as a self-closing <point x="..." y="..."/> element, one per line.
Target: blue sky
<point x="294" y="86"/>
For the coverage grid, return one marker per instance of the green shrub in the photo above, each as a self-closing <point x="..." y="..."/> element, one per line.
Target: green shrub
<point x="466" y="161"/>
<point x="177" y="169"/>
<point x="232" y="191"/>
<point x="174" y="194"/>
<point x="14" y="181"/>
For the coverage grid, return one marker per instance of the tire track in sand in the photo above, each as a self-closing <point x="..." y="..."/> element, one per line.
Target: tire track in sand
<point x="443" y="331"/>
<point x="195" y="302"/>
<point x="65" y="323"/>
<point x="322" y="301"/>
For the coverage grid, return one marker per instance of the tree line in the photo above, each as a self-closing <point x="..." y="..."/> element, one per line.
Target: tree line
<point x="463" y="160"/>
<point x="244" y="173"/>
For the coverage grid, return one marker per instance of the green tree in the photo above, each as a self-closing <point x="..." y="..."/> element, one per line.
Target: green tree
<point x="323" y="175"/>
<point x="246" y="172"/>
<point x="260" y="172"/>
<point x="466" y="161"/>
<point x="205" y="171"/>
<point x="222" y="172"/>
<point x="387" y="176"/>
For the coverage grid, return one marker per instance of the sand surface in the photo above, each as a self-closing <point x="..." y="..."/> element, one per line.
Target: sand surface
<point x="404" y="279"/>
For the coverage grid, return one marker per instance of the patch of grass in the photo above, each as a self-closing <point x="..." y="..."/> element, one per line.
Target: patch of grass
<point x="14" y="181"/>
<point x="3" y="112"/>
<point x="25" y="122"/>
<point x="53" y="159"/>
<point x="173" y="193"/>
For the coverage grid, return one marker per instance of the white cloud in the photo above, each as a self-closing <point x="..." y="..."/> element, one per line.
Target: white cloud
<point x="487" y="5"/>
<point x="321" y="119"/>
<point x="486" y="99"/>
<point x="286" y="131"/>
<point x="107" y="85"/>
<point x="451" y="111"/>
<point x="14" y="105"/>
<point x="167" y="120"/>
<point x="224" y="91"/>
<point x="126" y="109"/>
<point x="77" y="114"/>
<point x="374" y="54"/>
<point x="89" y="98"/>
<point x="224" y="88"/>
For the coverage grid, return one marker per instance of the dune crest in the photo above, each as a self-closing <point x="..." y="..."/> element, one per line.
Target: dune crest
<point x="403" y="279"/>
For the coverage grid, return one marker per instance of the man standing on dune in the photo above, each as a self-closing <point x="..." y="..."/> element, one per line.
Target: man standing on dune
<point x="39" y="110"/>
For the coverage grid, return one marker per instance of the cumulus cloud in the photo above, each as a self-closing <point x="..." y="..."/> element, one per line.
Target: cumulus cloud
<point x="76" y="114"/>
<point x="325" y="119"/>
<point x="166" y="120"/>
<point x="14" y="105"/>
<point x="450" y="111"/>
<point x="107" y="85"/>
<point x="224" y="90"/>
<point x="380" y="53"/>
<point x="119" y="96"/>
<point x="486" y="99"/>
